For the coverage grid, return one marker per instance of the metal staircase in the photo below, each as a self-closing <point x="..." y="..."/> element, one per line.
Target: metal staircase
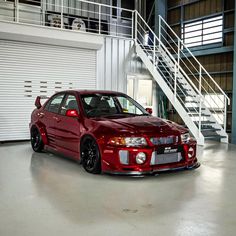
<point x="194" y="94"/>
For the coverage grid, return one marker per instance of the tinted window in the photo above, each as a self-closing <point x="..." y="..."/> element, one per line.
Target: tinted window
<point x="96" y="105"/>
<point x="70" y="103"/>
<point x="54" y="104"/>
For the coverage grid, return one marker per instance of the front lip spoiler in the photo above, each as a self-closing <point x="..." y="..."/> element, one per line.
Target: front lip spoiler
<point x="155" y="172"/>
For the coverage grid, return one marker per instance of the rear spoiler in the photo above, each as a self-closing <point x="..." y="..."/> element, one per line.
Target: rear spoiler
<point x="37" y="102"/>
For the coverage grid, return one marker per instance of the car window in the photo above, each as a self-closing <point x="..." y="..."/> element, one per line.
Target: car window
<point x="98" y="104"/>
<point x="69" y="103"/>
<point x="54" y="104"/>
<point x="127" y="106"/>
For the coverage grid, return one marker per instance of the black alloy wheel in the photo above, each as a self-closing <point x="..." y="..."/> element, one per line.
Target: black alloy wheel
<point x="36" y="140"/>
<point x="90" y="156"/>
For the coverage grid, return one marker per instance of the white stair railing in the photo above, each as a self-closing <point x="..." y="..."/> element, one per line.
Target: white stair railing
<point x="213" y="96"/>
<point x="78" y="16"/>
<point x="188" y="80"/>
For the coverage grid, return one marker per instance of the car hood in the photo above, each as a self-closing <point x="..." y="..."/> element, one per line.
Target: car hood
<point x="142" y="124"/>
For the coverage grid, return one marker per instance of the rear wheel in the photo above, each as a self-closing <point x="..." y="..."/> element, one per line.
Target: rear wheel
<point x="36" y="140"/>
<point x="90" y="155"/>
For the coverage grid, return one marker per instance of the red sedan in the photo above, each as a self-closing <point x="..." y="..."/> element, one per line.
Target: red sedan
<point x="109" y="132"/>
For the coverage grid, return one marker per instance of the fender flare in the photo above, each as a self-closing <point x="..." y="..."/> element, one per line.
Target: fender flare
<point x="42" y="131"/>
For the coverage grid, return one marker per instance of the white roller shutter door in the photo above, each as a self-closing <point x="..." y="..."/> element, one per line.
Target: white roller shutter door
<point x="28" y="70"/>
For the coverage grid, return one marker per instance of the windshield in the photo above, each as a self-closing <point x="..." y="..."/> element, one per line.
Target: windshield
<point x="97" y="105"/>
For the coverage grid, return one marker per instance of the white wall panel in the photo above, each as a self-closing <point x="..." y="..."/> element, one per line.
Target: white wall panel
<point x="28" y="70"/>
<point x="116" y="59"/>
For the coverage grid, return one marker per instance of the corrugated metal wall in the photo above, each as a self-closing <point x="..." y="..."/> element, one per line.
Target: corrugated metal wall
<point x="116" y="59"/>
<point x="28" y="70"/>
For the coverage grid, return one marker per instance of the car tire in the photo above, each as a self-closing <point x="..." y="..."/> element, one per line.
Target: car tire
<point x="90" y="155"/>
<point x="36" y="140"/>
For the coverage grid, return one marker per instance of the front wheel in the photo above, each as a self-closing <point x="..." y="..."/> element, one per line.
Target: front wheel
<point x="36" y="140"/>
<point x="90" y="155"/>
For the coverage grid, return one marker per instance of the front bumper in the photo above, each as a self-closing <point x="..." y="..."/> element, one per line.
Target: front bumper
<point x="112" y="164"/>
<point x="153" y="172"/>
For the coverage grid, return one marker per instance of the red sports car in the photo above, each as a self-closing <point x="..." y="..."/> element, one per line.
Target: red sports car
<point x="109" y="132"/>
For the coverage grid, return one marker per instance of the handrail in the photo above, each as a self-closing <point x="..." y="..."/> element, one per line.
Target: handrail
<point x="105" y="5"/>
<point x="167" y="51"/>
<point x="192" y="74"/>
<point x="169" y="55"/>
<point x="98" y="14"/>
<point x="217" y="109"/>
<point x="200" y="65"/>
<point x="179" y="48"/>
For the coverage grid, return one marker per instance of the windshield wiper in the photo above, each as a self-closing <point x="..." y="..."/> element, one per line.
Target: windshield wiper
<point x="143" y="114"/>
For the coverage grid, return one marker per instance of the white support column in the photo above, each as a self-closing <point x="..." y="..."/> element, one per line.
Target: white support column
<point x="99" y="19"/>
<point x="200" y="100"/>
<point x="175" y="81"/>
<point x="200" y="80"/>
<point x="17" y="11"/>
<point x="225" y="113"/>
<point x="200" y="116"/>
<point x="154" y="52"/>
<point x="132" y="33"/>
<point x="178" y="58"/>
<point x="135" y="26"/>
<point x="62" y="21"/>
<point x="43" y="10"/>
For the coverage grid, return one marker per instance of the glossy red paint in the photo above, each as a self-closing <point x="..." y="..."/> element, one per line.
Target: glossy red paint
<point x="63" y="133"/>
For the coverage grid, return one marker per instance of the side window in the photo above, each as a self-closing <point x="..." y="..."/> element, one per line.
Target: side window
<point x="54" y="104"/>
<point x="69" y="103"/>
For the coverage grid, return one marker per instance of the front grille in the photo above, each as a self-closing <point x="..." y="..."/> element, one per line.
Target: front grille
<point x="158" y="159"/>
<point x="164" y="140"/>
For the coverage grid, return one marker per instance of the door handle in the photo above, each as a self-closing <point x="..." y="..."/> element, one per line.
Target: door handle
<point x="41" y="114"/>
<point x="57" y="119"/>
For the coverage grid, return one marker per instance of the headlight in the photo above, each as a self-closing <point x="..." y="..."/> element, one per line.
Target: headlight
<point x="128" y="141"/>
<point x="185" y="137"/>
<point x="135" y="141"/>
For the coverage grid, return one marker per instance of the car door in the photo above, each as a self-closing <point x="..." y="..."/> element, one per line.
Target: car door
<point x="48" y="116"/>
<point x="67" y="129"/>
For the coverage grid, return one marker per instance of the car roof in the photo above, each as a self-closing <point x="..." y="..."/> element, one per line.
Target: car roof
<point x="84" y="92"/>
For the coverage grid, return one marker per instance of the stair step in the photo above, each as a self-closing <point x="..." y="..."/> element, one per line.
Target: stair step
<point x="214" y="137"/>
<point x="184" y="84"/>
<point x="206" y="129"/>
<point x="185" y="95"/>
<point x="166" y="73"/>
<point x="196" y="114"/>
<point x="194" y="109"/>
<point x="182" y="87"/>
<point x="205" y="122"/>
<point x="161" y="65"/>
<point x="192" y="102"/>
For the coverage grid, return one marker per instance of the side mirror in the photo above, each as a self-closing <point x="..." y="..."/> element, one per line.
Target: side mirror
<point x="37" y="102"/>
<point x="72" y="113"/>
<point x="149" y="110"/>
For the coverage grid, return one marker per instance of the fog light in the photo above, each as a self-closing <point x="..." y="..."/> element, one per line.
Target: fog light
<point x="191" y="152"/>
<point x="140" y="158"/>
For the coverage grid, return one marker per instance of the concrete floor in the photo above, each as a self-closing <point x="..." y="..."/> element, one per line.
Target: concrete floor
<point x="43" y="194"/>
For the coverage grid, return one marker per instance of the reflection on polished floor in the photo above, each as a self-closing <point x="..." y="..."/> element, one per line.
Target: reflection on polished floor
<point x="43" y="194"/>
